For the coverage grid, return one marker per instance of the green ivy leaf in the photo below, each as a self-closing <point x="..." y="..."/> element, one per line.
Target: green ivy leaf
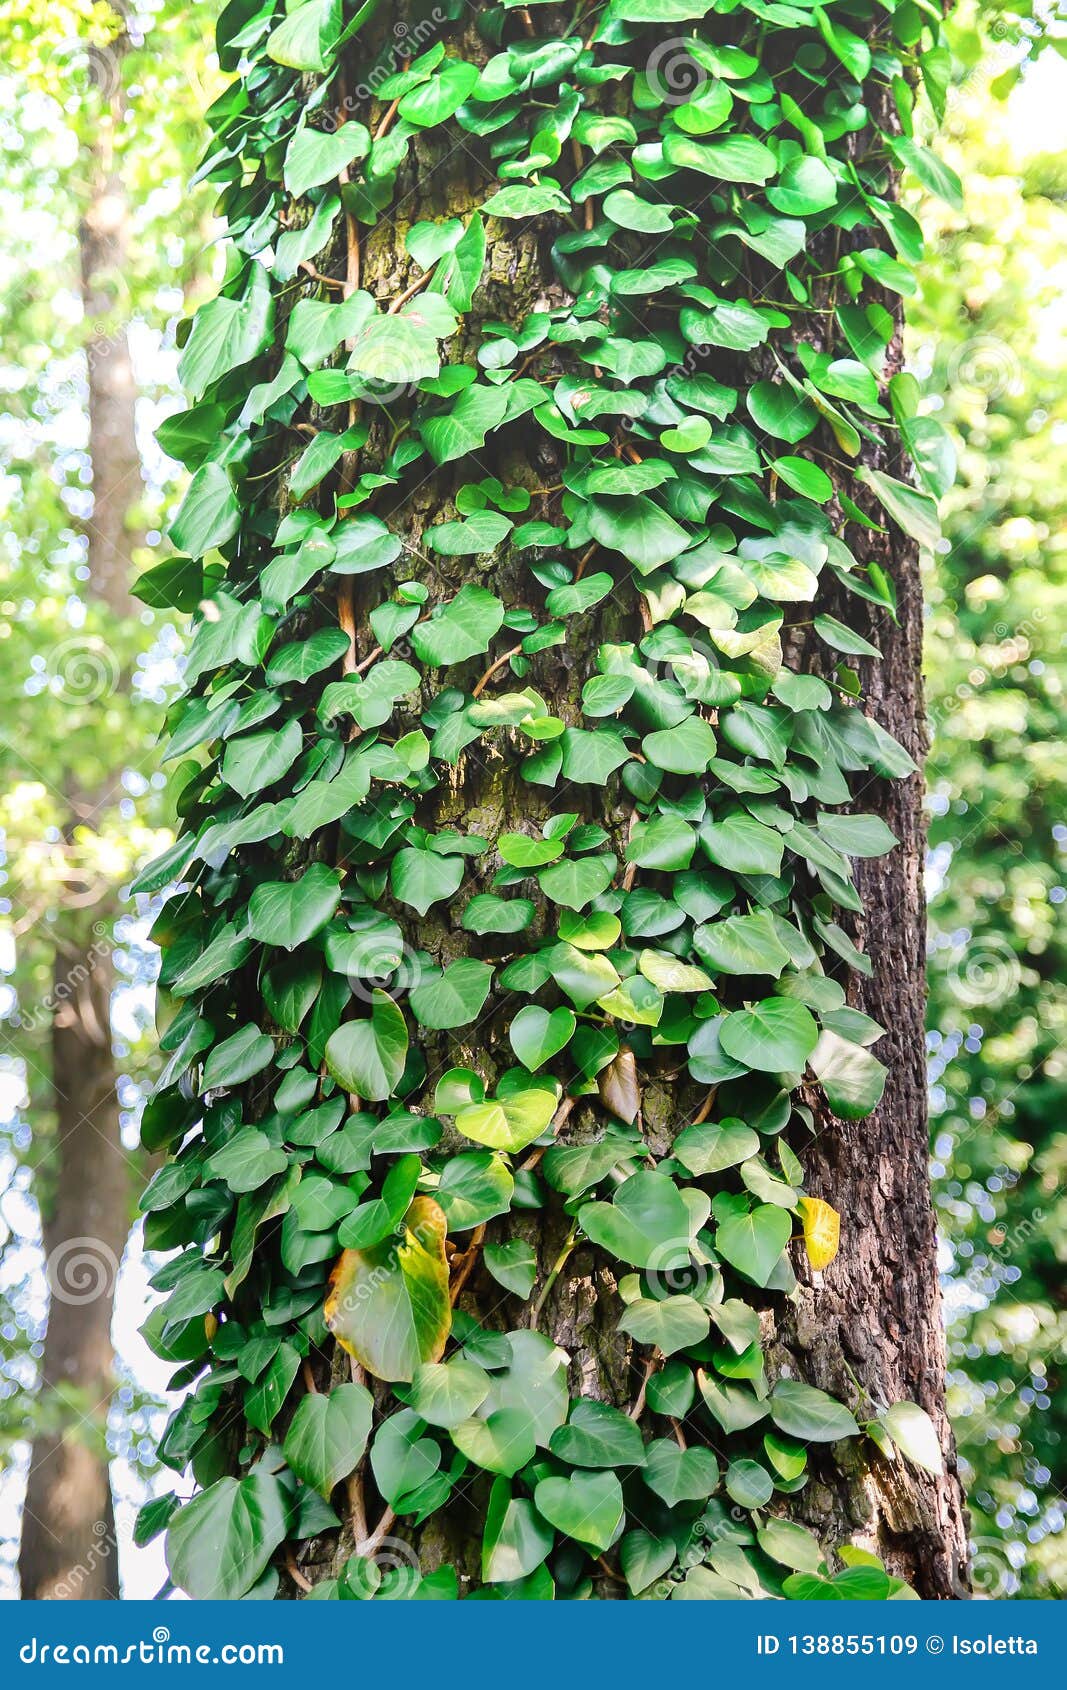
<point x="753" y="1243"/>
<point x="287" y="913"/>
<point x="676" y="1323"/>
<point x="508" y="1123"/>
<point x="649" y="1223"/>
<point x="328" y="1435"/>
<point x="587" y="1507"/>
<point x="776" y="1037"/>
<point x="851" y="1077"/>
<point x="447" y="1393"/>
<point x="219" y="1543"/>
<point x="368" y="1056"/>
<point x="810" y="1414"/>
<point x="209" y="515"/>
<point x="453" y="997"/>
<point x="460" y="629"/>
<point x="314" y="156"/>
<point x="537" y="1035"/>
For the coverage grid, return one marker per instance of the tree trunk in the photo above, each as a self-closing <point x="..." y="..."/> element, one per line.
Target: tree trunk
<point x="869" y="1331"/>
<point x="68" y="1547"/>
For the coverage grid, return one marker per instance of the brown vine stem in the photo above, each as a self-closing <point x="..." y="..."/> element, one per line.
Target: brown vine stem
<point x="463" y="1265"/>
<point x="357" y="1512"/>
<point x="638" y="1408"/>
<point x="309" y="1378"/>
<point x="705" y="1108"/>
<point x="346" y="616"/>
<point x="371" y="657"/>
<point x="410" y="292"/>
<point x="553" y="1274"/>
<point x="387" y="121"/>
<point x="367" y="1546"/>
<point x="294" y="1572"/>
<point x="346" y="592"/>
<point x="515" y="651"/>
<point x="558" y="1120"/>
<point x="630" y="872"/>
<point x="584" y="559"/>
<point x="344" y="177"/>
<point x="679" y="1434"/>
<point x="317" y="276"/>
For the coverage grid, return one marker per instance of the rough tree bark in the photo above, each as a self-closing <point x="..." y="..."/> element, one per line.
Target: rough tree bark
<point x="68" y="1549"/>
<point x="869" y="1329"/>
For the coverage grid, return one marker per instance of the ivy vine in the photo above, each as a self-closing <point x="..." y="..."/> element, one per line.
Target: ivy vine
<point x="715" y="179"/>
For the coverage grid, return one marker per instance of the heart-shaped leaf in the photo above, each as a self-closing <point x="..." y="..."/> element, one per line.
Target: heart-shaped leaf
<point x="754" y="1242"/>
<point x="585" y="1506"/>
<point x="219" y="1543"/>
<point x="537" y="1034"/>
<point x="508" y="1123"/>
<point x="328" y="1435"/>
<point x="776" y="1037"/>
<point x="388" y="1306"/>
<point x="649" y="1223"/>
<point x="367" y="1057"/>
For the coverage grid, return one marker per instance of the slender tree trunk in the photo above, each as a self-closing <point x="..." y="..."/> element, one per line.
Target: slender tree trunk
<point x="869" y="1329"/>
<point x="68" y="1549"/>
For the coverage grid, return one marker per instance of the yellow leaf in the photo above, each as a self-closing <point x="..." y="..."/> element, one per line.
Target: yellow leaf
<point x="822" y="1231"/>
<point x="388" y="1304"/>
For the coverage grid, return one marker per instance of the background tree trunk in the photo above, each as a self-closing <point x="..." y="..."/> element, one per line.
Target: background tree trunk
<point x="68" y="1548"/>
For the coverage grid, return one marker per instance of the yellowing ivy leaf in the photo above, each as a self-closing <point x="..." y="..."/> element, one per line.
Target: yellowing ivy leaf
<point x="822" y="1231"/>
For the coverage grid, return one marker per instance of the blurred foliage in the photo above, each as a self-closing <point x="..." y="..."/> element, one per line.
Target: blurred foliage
<point x="81" y="691"/>
<point x="990" y="329"/>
